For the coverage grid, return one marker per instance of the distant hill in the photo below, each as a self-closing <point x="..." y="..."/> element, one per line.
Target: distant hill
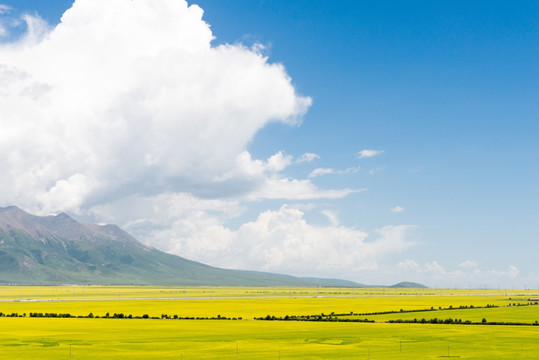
<point x="408" y="284"/>
<point x="53" y="250"/>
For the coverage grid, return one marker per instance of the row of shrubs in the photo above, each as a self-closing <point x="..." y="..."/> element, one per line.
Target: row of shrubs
<point x="432" y="308"/>
<point x="527" y="304"/>
<point x="115" y="316"/>
<point x="311" y="318"/>
<point x="459" y="321"/>
<point x="322" y="316"/>
<point x="399" y="321"/>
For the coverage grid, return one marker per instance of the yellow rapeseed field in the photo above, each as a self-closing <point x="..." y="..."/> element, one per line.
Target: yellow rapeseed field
<point x="26" y="337"/>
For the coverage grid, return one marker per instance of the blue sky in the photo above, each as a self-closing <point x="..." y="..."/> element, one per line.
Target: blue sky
<point x="446" y="92"/>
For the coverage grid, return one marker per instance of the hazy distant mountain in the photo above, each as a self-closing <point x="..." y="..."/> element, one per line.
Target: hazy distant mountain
<point x="59" y="250"/>
<point x="408" y="284"/>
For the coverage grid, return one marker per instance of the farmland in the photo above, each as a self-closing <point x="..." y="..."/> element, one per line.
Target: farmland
<point x="160" y="336"/>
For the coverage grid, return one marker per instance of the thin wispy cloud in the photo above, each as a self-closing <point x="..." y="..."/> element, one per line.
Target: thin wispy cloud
<point x="307" y="158"/>
<point x="368" y="153"/>
<point x="320" y="172"/>
<point x="468" y="264"/>
<point x="332" y="217"/>
<point x="376" y="170"/>
<point x="327" y="171"/>
<point x="397" y="209"/>
<point x="5" y="9"/>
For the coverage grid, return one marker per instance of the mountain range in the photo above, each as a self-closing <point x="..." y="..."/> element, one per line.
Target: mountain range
<point x="53" y="250"/>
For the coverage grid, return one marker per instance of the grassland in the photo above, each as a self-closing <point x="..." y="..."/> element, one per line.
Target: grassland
<point x="27" y="337"/>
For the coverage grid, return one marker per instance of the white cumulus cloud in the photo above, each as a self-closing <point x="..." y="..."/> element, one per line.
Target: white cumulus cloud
<point x="130" y="97"/>
<point x="276" y="241"/>
<point x="268" y="183"/>
<point x="408" y="265"/>
<point x="468" y="274"/>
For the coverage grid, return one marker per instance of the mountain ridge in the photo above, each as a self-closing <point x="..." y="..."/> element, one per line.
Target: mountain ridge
<point x="57" y="249"/>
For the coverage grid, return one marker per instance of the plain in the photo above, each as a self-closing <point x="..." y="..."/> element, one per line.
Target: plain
<point x="25" y="336"/>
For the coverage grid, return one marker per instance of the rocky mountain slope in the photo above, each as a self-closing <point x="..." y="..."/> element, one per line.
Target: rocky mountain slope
<point x="58" y="250"/>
